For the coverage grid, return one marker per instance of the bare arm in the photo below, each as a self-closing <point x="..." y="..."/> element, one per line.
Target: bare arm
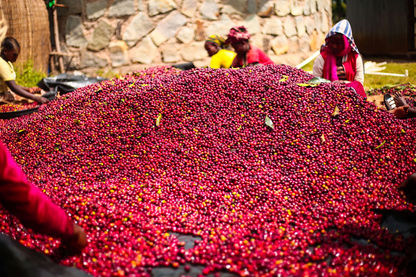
<point x="24" y="92"/>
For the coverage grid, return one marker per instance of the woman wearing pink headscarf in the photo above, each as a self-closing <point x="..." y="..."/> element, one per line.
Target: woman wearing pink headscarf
<point x="247" y="54"/>
<point x="340" y="61"/>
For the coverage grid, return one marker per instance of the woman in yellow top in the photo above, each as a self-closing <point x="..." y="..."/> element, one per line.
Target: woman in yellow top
<point x="221" y="58"/>
<point x="10" y="50"/>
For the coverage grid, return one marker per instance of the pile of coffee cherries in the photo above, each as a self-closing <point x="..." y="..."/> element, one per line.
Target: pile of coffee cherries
<point x="275" y="176"/>
<point x="7" y="108"/>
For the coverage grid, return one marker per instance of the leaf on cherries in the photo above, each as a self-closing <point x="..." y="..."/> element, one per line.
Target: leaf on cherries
<point x="158" y="119"/>
<point x="381" y="144"/>
<point x="336" y="111"/>
<point x="269" y="122"/>
<point x="284" y="78"/>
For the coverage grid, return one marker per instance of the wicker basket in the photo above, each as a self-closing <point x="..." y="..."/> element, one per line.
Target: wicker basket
<point x="28" y="22"/>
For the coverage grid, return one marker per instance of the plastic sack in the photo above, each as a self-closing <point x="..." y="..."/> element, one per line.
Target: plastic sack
<point x="65" y="83"/>
<point x="18" y="260"/>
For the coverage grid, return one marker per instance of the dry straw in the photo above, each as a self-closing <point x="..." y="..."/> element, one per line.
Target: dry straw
<point x="28" y="22"/>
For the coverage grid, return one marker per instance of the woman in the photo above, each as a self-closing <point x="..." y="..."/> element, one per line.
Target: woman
<point x="340" y="61"/>
<point x="10" y="50"/>
<point x="247" y="54"/>
<point x="34" y="209"/>
<point x="220" y="57"/>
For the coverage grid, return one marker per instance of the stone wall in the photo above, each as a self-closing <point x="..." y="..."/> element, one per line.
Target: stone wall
<point x="125" y="35"/>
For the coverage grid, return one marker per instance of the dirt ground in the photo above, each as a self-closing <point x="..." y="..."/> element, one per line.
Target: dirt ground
<point x="378" y="100"/>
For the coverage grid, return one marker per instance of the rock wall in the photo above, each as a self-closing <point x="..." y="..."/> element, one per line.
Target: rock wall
<point x="125" y="35"/>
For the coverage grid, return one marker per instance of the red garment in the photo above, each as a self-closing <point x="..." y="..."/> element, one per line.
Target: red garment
<point x="358" y="87"/>
<point x="254" y="55"/>
<point x="350" y="66"/>
<point x="34" y="209"/>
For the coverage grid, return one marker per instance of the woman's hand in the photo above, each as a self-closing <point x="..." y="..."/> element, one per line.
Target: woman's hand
<point x="35" y="90"/>
<point x="77" y="241"/>
<point x="41" y="100"/>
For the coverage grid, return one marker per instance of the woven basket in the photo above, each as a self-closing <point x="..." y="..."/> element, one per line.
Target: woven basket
<point x="28" y="22"/>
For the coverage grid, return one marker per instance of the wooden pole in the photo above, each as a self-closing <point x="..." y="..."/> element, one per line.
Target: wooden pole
<point x="57" y="44"/>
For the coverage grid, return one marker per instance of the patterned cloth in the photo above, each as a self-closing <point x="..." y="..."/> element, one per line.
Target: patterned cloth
<point x="343" y="27"/>
<point x="237" y="33"/>
<point x="219" y="40"/>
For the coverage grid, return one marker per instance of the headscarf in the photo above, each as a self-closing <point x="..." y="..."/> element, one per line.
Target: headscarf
<point x="330" y="68"/>
<point x="343" y="27"/>
<point x="219" y="40"/>
<point x="237" y="33"/>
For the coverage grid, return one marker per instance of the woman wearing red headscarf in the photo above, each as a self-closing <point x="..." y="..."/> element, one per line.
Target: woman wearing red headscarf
<point x="247" y="54"/>
<point x="340" y="61"/>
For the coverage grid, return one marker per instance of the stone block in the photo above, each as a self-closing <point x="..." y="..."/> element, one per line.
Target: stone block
<point x="221" y="27"/>
<point x="234" y="7"/>
<point x="313" y="42"/>
<point x="140" y="26"/>
<point x="325" y="23"/>
<point x="266" y="8"/>
<point x="273" y="26"/>
<point x="122" y="8"/>
<point x="189" y="7"/>
<point x="309" y="24"/>
<point x="252" y="24"/>
<point x="102" y="35"/>
<point x="252" y="6"/>
<point x="313" y="4"/>
<point x="75" y="7"/>
<point x="307" y="7"/>
<point x="168" y="27"/>
<point x="209" y="10"/>
<point x="89" y="59"/>
<point x="96" y="9"/>
<point x="318" y="21"/>
<point x="261" y="41"/>
<point x="199" y="31"/>
<point x="300" y="25"/>
<point x="170" y="54"/>
<point x="75" y="36"/>
<point x="293" y="45"/>
<point x="282" y="7"/>
<point x="194" y="51"/>
<point x="145" y="53"/>
<point x="161" y="6"/>
<point x="118" y="53"/>
<point x="280" y="45"/>
<point x="304" y="44"/>
<point x="186" y="35"/>
<point x="296" y="7"/>
<point x="290" y="27"/>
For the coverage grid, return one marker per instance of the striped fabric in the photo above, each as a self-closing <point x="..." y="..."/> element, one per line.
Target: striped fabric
<point x="344" y="27"/>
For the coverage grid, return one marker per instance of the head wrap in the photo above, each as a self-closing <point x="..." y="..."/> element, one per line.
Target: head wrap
<point x="343" y="27"/>
<point x="219" y="40"/>
<point x="238" y="33"/>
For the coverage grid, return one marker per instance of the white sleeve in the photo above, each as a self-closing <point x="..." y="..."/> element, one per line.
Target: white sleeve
<point x="318" y="66"/>
<point x="359" y="73"/>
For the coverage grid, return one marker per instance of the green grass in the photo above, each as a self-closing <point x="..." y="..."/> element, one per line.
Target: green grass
<point x="377" y="81"/>
<point x="27" y="76"/>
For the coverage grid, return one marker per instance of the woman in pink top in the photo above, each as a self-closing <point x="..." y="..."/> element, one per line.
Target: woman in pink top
<point x="34" y="209"/>
<point x="247" y="54"/>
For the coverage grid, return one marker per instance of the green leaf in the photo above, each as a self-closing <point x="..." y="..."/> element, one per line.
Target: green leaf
<point x="269" y="122"/>
<point x="159" y="117"/>
<point x="21" y="131"/>
<point x="403" y="131"/>
<point x="381" y="144"/>
<point x="318" y="80"/>
<point x="284" y="79"/>
<point x="307" y="85"/>
<point x="336" y="111"/>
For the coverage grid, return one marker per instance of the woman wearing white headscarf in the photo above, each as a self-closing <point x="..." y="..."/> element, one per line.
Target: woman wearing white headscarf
<point x="340" y="61"/>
